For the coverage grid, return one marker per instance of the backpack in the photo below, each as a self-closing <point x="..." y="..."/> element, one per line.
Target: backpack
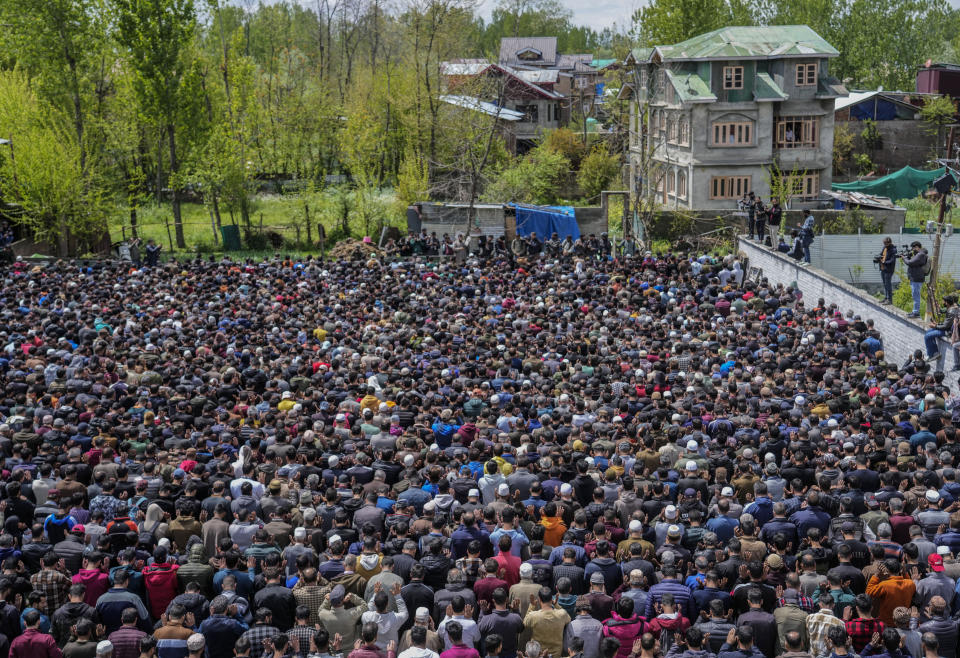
<point x="147" y="537"/>
<point x="926" y="266"/>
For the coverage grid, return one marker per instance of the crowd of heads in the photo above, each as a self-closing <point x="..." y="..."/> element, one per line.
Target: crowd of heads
<point x="546" y="455"/>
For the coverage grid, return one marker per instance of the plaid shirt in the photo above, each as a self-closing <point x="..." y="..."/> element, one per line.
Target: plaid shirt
<point x="303" y="634"/>
<point x="257" y="635"/>
<point x="805" y="603"/>
<point x="311" y="596"/>
<point x="53" y="585"/>
<point x="126" y="641"/>
<point x="861" y="630"/>
<point x="818" y="625"/>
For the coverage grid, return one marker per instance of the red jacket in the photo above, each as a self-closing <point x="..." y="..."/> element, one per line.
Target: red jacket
<point x="161" y="583"/>
<point x="625" y="630"/>
<point x="97" y="583"/>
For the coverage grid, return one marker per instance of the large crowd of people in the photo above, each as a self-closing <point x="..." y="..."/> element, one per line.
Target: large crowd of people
<point x="497" y="456"/>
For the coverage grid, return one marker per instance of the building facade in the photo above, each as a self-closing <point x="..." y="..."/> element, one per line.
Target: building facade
<point x="716" y="116"/>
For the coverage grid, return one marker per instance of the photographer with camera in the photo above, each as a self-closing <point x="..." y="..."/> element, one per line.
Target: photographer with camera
<point x="918" y="266"/>
<point x="887" y="262"/>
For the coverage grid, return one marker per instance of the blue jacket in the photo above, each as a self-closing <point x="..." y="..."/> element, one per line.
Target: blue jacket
<point x="761" y="509"/>
<point x="811" y="517"/>
<point x="681" y="597"/>
<point x="221" y="633"/>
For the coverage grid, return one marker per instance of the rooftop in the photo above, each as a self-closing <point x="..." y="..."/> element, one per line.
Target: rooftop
<point x="747" y="42"/>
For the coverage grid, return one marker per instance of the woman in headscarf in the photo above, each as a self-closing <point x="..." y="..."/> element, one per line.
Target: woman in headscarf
<point x="154" y="524"/>
<point x="243" y="457"/>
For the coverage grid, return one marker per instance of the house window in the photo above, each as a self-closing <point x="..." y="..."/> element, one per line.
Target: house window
<point x="662" y="125"/>
<point x="671" y="131"/>
<point x="683" y="132"/>
<point x="797" y="132"/>
<point x="729" y="187"/>
<point x="733" y="133"/>
<point x="681" y="185"/>
<point x="671" y="183"/>
<point x="806" y="74"/>
<point x="669" y="94"/>
<point x="805" y="186"/>
<point x="661" y="186"/>
<point x="643" y="78"/>
<point x="733" y="77"/>
<point x="531" y="113"/>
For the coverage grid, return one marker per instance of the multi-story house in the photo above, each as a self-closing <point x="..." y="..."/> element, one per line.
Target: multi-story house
<point x="530" y="102"/>
<point x="715" y="116"/>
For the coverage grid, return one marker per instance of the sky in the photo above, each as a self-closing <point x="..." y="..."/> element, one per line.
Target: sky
<point x="597" y="14"/>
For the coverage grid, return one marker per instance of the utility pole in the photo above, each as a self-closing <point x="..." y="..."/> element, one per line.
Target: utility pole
<point x="933" y="309"/>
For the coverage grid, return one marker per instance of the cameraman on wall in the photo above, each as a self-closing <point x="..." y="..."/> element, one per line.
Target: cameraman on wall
<point x="887" y="262"/>
<point x="917" y="269"/>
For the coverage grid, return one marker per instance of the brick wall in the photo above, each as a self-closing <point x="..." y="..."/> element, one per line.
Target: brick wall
<point x="900" y="335"/>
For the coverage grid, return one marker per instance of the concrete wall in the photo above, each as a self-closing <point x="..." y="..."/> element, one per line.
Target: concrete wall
<point x="900" y="335"/>
<point x="591" y="220"/>
<point x="904" y="143"/>
<point x="452" y="218"/>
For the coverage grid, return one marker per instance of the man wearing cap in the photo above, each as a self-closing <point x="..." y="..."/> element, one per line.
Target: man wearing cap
<point x="932" y="513"/>
<point x="791" y="618"/>
<point x="935" y="583"/>
<point x="422" y="624"/>
<point x="585" y="627"/>
<point x="337" y="619"/>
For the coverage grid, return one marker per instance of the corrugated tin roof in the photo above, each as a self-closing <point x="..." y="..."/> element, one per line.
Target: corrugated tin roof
<point x="749" y="42"/>
<point x="463" y="66"/>
<point x="539" y="76"/>
<point x="767" y="90"/>
<point x="854" y="98"/>
<point x="578" y="62"/>
<point x="477" y="105"/>
<point x="690" y="87"/>
<point x="510" y="46"/>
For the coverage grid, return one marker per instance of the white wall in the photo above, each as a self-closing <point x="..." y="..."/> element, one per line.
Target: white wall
<point x="900" y="335"/>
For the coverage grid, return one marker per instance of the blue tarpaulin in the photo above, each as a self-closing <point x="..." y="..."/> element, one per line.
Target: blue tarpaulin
<point x="547" y="220"/>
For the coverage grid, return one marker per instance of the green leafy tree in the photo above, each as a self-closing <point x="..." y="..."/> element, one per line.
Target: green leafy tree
<point x="60" y="43"/>
<point x="597" y="171"/>
<point x="538" y="178"/>
<point x="41" y="170"/>
<point x="155" y="34"/>
<point x="661" y="22"/>
<point x="843" y="144"/>
<point x="938" y="111"/>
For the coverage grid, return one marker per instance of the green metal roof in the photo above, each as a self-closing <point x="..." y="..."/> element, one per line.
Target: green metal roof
<point x="602" y="63"/>
<point x="690" y="87"/>
<point x="641" y="54"/>
<point x="830" y="87"/>
<point x="745" y="42"/>
<point x="767" y="90"/>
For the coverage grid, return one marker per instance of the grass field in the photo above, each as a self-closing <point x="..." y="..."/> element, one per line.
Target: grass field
<point x="272" y="212"/>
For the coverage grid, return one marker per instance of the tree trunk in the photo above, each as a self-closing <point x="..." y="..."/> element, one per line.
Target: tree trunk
<point x="175" y="187"/>
<point x="133" y="221"/>
<point x="160" y="167"/>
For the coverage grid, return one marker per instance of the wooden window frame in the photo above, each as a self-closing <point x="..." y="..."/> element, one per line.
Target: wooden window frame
<point x="682" y="185"/>
<point x="806" y="74"/>
<point x="807" y="126"/>
<point x="733" y="77"/>
<point x="804" y="186"/>
<point x="729" y="187"/>
<point x="741" y="133"/>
